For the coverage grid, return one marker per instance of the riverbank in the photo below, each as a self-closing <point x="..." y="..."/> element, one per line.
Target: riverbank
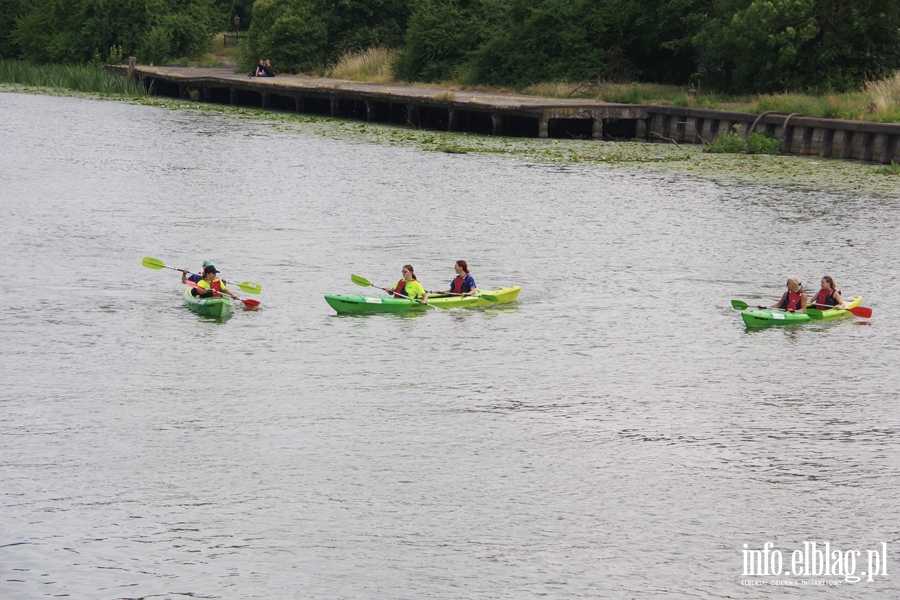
<point x="832" y="175"/>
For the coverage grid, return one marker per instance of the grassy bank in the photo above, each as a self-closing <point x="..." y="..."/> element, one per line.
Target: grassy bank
<point x="80" y="78"/>
<point x="877" y="101"/>
<point x="825" y="175"/>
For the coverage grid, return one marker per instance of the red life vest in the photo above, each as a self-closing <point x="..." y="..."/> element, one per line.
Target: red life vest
<point x="825" y="299"/>
<point x="792" y="301"/>
<point x="458" y="285"/>
<point x="216" y="284"/>
<point x="398" y="289"/>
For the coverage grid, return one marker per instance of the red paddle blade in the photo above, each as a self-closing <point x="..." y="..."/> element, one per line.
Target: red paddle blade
<point x="251" y="303"/>
<point x="861" y="311"/>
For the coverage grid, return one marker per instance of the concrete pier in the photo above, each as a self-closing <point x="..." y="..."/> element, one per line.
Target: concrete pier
<point x="522" y="116"/>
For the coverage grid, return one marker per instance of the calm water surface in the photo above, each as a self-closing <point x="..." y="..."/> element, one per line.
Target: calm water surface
<point x="617" y="433"/>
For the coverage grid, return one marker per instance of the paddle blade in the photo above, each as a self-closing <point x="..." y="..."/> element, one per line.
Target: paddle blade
<point x="861" y="311"/>
<point x="251" y="303"/>
<point x="250" y="287"/>
<point x="739" y="305"/>
<point x="814" y="314"/>
<point x="153" y="263"/>
<point x="361" y="281"/>
<point x="490" y="297"/>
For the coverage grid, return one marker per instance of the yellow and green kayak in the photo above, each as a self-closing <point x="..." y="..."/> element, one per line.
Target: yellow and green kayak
<point x="357" y="303"/>
<point x="208" y="307"/>
<point x="763" y="317"/>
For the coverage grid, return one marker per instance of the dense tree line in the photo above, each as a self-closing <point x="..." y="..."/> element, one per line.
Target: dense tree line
<point x="731" y="45"/>
<point x="78" y="31"/>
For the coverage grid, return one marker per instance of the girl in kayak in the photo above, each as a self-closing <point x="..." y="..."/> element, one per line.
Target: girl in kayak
<point x="794" y="299"/>
<point x="212" y="284"/>
<point x="828" y="296"/>
<point x="409" y="286"/>
<point x="188" y="276"/>
<point x="463" y="284"/>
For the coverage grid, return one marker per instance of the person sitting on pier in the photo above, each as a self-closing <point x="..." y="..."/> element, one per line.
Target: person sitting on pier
<point x="409" y="287"/>
<point x="463" y="284"/>
<point x="828" y="296"/>
<point x="264" y="69"/>
<point x="794" y="299"/>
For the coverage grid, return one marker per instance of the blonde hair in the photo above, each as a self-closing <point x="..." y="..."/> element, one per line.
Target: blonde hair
<point x="795" y="280"/>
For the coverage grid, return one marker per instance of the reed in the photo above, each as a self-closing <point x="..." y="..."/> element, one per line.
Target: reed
<point x="370" y="66"/>
<point x="81" y="78"/>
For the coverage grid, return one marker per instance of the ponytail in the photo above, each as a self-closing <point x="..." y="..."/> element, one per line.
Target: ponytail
<point x="411" y="271"/>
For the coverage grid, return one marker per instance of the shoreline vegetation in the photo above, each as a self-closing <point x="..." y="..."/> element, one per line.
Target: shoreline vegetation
<point x="831" y="175"/>
<point x="875" y="101"/>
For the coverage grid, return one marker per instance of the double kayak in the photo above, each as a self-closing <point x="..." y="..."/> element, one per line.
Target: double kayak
<point x="763" y="317"/>
<point x="356" y="303"/>
<point x="208" y="307"/>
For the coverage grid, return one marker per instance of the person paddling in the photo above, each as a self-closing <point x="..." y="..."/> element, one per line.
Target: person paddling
<point x="211" y="283"/>
<point x="409" y="286"/>
<point x="463" y="284"/>
<point x="794" y="299"/>
<point x="828" y="296"/>
<point x="188" y="276"/>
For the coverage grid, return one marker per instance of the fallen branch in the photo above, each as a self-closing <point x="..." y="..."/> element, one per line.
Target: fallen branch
<point x="665" y="138"/>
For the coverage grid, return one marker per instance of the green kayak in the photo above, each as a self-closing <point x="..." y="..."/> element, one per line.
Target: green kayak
<point x="356" y="303"/>
<point x="208" y="307"/>
<point x="763" y="317"/>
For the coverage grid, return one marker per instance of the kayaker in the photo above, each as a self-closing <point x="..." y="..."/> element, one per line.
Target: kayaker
<point x="794" y="299"/>
<point x="463" y="284"/>
<point x="829" y="296"/>
<point x="188" y="276"/>
<point x="409" y="286"/>
<point x="212" y="283"/>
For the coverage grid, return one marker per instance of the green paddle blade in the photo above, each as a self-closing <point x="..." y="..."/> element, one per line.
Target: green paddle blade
<point x="250" y="288"/>
<point x="490" y="297"/>
<point x="153" y="263"/>
<point x="361" y="281"/>
<point x="814" y="314"/>
<point x="739" y="305"/>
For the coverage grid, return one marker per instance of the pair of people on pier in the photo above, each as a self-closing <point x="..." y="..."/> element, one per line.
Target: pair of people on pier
<point x="462" y="285"/>
<point x="263" y="69"/>
<point x="794" y="298"/>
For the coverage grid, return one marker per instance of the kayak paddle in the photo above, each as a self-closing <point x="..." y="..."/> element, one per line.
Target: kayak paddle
<point x="362" y="281"/>
<point x="489" y="297"/>
<point x="156" y="264"/>
<point x="250" y="303"/>
<point x="859" y="311"/>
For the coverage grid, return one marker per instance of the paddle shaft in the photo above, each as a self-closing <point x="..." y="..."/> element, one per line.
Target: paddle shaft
<point x="250" y="303"/>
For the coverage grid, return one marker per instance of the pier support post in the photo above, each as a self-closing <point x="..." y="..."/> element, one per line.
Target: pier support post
<point x="206" y="93"/>
<point x="597" y="129"/>
<point x="264" y="99"/>
<point x="370" y="110"/>
<point x="233" y="96"/>
<point x="132" y="62"/>
<point x="412" y="115"/>
<point x="544" y="127"/>
<point x="496" y="124"/>
<point x="641" y="129"/>
<point x="451" y="119"/>
<point x="298" y="103"/>
<point x="335" y="107"/>
<point x="181" y="91"/>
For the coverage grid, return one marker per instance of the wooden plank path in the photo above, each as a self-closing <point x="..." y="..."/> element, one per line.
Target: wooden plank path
<point x="522" y="116"/>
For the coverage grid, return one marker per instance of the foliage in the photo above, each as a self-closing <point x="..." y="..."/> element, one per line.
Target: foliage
<point x="892" y="169"/>
<point x="767" y="45"/>
<point x="81" y="78"/>
<point x="372" y="65"/>
<point x="733" y="143"/>
<point x="303" y="35"/>
<point x="54" y="31"/>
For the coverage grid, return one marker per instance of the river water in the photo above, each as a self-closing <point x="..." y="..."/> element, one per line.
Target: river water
<point x="616" y="433"/>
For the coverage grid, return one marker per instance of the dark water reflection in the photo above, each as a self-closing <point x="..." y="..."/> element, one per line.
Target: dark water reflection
<point x="617" y="433"/>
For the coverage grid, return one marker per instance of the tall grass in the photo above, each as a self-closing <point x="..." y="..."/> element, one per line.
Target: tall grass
<point x="81" y="78"/>
<point x="370" y="66"/>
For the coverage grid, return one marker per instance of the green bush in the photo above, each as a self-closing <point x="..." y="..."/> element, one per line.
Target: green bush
<point x="156" y="46"/>
<point x="733" y="143"/>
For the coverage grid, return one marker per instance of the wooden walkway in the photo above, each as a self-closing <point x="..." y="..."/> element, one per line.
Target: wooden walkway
<point x="522" y="116"/>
